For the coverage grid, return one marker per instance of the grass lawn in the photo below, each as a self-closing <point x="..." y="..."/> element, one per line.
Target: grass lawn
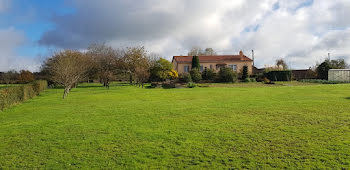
<point x="232" y="126"/>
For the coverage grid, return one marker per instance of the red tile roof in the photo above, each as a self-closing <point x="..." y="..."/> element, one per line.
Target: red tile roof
<point x="212" y="59"/>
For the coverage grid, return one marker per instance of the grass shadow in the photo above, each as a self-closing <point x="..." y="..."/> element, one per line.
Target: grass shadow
<point x="348" y="98"/>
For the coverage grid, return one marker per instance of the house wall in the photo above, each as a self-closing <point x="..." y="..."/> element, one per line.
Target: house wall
<point x="180" y="67"/>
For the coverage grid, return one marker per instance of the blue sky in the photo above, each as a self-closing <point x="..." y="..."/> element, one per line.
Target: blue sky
<point x="302" y="31"/>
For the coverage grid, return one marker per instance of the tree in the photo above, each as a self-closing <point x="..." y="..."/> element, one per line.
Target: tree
<point x="160" y="70"/>
<point x="322" y="70"/>
<point x="132" y="58"/>
<point x="196" y="75"/>
<point x="25" y="76"/>
<point x="142" y="74"/>
<point x="173" y="74"/>
<point x="281" y="63"/>
<point x="245" y="72"/>
<point x="195" y="62"/>
<point x="105" y="60"/>
<point x="227" y="75"/>
<point x="10" y="76"/>
<point x="208" y="74"/>
<point x="67" y="68"/>
<point x="197" y="51"/>
<point x="209" y="51"/>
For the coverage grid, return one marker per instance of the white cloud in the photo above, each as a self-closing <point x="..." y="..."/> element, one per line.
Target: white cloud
<point x="294" y="30"/>
<point x="10" y="40"/>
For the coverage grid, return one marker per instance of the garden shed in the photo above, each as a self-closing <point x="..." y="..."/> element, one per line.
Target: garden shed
<point x="339" y="75"/>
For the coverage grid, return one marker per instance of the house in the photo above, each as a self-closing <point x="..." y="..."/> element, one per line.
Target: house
<point x="182" y="64"/>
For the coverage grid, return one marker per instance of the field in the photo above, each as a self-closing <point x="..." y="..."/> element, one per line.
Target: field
<point x="223" y="126"/>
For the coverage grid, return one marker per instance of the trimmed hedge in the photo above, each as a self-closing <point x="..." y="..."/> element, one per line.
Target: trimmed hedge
<point x="279" y="75"/>
<point x="17" y="94"/>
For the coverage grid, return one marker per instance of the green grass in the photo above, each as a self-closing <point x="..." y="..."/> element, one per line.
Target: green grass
<point x="233" y="126"/>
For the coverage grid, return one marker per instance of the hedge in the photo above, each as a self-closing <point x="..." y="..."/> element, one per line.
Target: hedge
<point x="279" y="75"/>
<point x="17" y="94"/>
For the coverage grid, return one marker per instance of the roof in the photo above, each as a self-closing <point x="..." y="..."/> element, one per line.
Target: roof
<point x="212" y="58"/>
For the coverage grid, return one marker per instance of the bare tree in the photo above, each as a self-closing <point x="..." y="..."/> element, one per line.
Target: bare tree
<point x="142" y="74"/>
<point x="67" y="68"/>
<point x="105" y="61"/>
<point x="197" y="51"/>
<point x="281" y="63"/>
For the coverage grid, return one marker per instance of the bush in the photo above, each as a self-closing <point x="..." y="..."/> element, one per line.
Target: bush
<point x="191" y="85"/>
<point x="227" y="75"/>
<point x="279" y="75"/>
<point x="196" y="75"/>
<point x="16" y="94"/>
<point x="267" y="81"/>
<point x="186" y="77"/>
<point x="208" y="74"/>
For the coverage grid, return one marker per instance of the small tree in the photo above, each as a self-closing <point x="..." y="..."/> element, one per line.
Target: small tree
<point x="227" y="75"/>
<point x="195" y="62"/>
<point x="208" y="74"/>
<point x="142" y="74"/>
<point x="322" y="70"/>
<point x="67" y="68"/>
<point x="196" y="75"/>
<point x="245" y="72"/>
<point x="160" y="70"/>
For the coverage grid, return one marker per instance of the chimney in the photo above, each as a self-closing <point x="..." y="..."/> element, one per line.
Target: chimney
<point x="241" y="53"/>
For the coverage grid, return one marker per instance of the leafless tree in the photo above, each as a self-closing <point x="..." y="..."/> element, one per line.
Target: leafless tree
<point x="105" y="61"/>
<point x="67" y="68"/>
<point x="197" y="51"/>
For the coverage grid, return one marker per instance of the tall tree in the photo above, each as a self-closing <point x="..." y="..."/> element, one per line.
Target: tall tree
<point x="195" y="62"/>
<point x="245" y="72"/>
<point x="67" y="68"/>
<point x="322" y="70"/>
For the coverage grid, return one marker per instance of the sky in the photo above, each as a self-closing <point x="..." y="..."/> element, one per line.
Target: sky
<point x="302" y="32"/>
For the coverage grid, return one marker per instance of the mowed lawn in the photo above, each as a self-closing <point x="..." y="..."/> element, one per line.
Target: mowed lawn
<point x="225" y="127"/>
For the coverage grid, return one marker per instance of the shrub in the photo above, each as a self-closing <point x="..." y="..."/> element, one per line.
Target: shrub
<point x="191" y="85"/>
<point x="227" y="75"/>
<point x="16" y="94"/>
<point x="279" y="75"/>
<point x="322" y="81"/>
<point x="267" y="81"/>
<point x="209" y="74"/>
<point x="196" y="75"/>
<point x="186" y="77"/>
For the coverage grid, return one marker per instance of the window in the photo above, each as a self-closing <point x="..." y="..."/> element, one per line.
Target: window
<point x="211" y="66"/>
<point x="186" y="69"/>
<point x="233" y="67"/>
<point x="201" y="68"/>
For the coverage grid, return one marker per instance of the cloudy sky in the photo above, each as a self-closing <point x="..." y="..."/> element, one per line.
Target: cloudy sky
<point x="300" y="31"/>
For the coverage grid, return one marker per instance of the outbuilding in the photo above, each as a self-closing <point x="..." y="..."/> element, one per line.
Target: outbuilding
<point x="339" y="75"/>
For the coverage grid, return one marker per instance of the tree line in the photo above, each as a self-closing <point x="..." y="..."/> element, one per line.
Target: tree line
<point x="104" y="63"/>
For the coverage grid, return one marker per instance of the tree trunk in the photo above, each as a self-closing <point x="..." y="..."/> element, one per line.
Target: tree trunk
<point x="130" y="78"/>
<point x="142" y="85"/>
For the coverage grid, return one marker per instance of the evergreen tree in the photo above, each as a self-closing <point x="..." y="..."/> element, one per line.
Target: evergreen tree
<point x="245" y="72"/>
<point x="195" y="62"/>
